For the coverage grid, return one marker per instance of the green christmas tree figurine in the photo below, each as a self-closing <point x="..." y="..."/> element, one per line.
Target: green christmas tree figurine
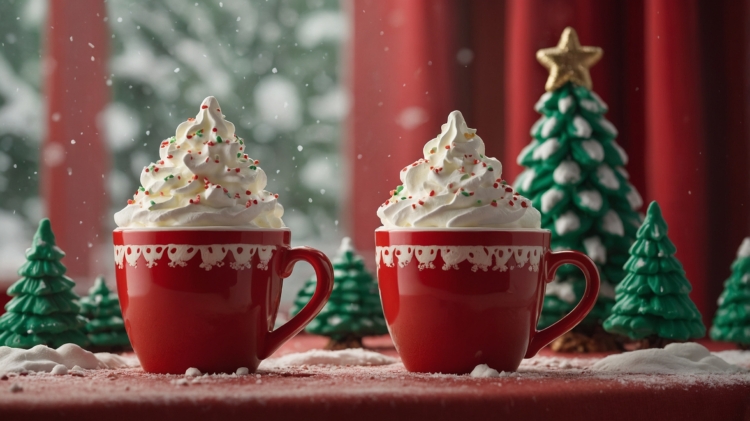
<point x="353" y="311"/>
<point x="732" y="321"/>
<point x="44" y="310"/>
<point x="575" y="176"/>
<point x="653" y="301"/>
<point x="105" y="329"/>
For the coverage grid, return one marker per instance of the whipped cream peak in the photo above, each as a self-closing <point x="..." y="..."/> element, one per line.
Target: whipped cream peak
<point x="456" y="186"/>
<point x="204" y="177"/>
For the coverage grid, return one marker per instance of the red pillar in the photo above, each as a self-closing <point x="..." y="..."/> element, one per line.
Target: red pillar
<point x="75" y="162"/>
<point x="675" y="146"/>
<point x="402" y="76"/>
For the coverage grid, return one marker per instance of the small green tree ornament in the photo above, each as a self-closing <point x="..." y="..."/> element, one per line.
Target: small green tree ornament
<point x="105" y="329"/>
<point x="44" y="309"/>
<point x="353" y="311"/>
<point x="732" y="321"/>
<point x="653" y="303"/>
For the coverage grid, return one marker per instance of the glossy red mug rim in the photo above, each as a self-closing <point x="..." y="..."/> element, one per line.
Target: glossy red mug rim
<point x="202" y="228"/>
<point x="431" y="229"/>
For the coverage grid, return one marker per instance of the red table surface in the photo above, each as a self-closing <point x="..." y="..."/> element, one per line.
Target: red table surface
<point x="367" y="393"/>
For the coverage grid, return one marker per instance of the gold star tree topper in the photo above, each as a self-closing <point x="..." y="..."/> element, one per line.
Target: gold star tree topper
<point x="569" y="61"/>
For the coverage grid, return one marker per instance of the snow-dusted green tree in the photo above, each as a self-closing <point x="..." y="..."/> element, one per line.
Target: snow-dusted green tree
<point x="575" y="175"/>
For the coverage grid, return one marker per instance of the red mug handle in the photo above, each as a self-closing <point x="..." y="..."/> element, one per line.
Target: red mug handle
<point x="324" y="275"/>
<point x="541" y="338"/>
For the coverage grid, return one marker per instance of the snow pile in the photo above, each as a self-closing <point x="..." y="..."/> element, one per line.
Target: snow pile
<point x="351" y="357"/>
<point x="677" y="358"/>
<point x="46" y="359"/>
<point x="484" y="371"/>
<point x="736" y="357"/>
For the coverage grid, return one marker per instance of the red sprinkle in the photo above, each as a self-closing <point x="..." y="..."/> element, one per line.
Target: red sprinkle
<point x="236" y="195"/>
<point x="204" y="107"/>
<point x="447" y="147"/>
<point x="432" y="192"/>
<point x="495" y="185"/>
<point x="156" y="169"/>
<point x="255" y="202"/>
<point x="276" y="196"/>
<point x="131" y="201"/>
<point x="214" y="130"/>
<point x="413" y="206"/>
<point x="146" y="169"/>
<point x="168" y="157"/>
<point x="146" y="192"/>
<point x="236" y="170"/>
<point x="421" y="203"/>
<point x="508" y="189"/>
<point x="248" y="204"/>
<point x="510" y="202"/>
<point x="248" y="192"/>
<point x="189" y="136"/>
<point x="494" y="203"/>
<point x="524" y="205"/>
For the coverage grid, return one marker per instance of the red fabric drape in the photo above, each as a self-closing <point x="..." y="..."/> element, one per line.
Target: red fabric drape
<point x="74" y="156"/>
<point x="673" y="74"/>
<point x="676" y="151"/>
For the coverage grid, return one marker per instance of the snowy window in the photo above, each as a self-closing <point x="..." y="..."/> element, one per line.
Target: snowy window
<point x="274" y="66"/>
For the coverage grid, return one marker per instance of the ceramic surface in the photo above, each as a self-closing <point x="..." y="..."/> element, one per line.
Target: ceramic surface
<point x="208" y="298"/>
<point x="454" y="299"/>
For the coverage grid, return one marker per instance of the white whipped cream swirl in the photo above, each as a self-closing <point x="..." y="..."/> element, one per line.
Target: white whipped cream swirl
<point x="456" y="186"/>
<point x="204" y="178"/>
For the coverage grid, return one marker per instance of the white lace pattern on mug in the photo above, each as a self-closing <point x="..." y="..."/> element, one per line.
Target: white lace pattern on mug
<point x="210" y="255"/>
<point x="480" y="257"/>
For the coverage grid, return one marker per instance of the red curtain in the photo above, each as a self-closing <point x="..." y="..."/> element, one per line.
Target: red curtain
<point x="673" y="74"/>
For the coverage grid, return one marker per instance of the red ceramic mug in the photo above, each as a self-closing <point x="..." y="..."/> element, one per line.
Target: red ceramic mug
<point x="457" y="298"/>
<point x="208" y="298"/>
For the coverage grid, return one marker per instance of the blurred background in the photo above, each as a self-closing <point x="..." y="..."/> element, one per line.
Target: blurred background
<point x="336" y="96"/>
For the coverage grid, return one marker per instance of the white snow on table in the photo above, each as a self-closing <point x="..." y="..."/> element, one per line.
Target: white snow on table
<point x="351" y="357"/>
<point x="676" y="358"/>
<point x="44" y="359"/>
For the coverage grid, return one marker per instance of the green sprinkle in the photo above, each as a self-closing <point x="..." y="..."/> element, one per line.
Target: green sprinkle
<point x="252" y="167"/>
<point x="242" y="142"/>
<point x="490" y="169"/>
<point x="465" y="176"/>
<point x="399" y="188"/>
<point x="172" y="139"/>
<point x="153" y="203"/>
<point x="481" y="156"/>
<point x="141" y="188"/>
<point x="218" y="138"/>
<point x="200" y="133"/>
<point x="479" y="202"/>
<point x="465" y="193"/>
<point x="239" y="154"/>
